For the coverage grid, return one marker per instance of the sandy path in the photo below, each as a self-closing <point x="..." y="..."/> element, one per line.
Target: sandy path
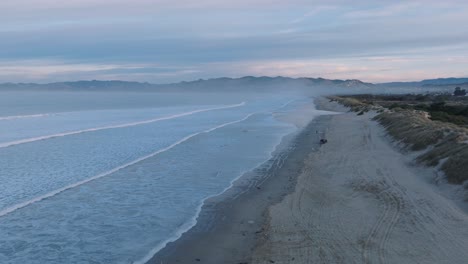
<point x="358" y="200"/>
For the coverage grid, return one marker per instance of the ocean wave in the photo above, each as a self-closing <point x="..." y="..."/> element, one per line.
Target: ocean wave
<point x="29" y="140"/>
<point x="23" y="116"/>
<point x="13" y="208"/>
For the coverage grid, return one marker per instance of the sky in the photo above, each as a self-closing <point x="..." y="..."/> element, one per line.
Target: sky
<point x="164" y="41"/>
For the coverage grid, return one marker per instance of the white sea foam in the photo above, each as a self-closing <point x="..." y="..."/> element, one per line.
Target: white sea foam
<point x="28" y="140"/>
<point x="193" y="220"/>
<point x="286" y="104"/>
<point x="107" y="173"/>
<point x="23" y="116"/>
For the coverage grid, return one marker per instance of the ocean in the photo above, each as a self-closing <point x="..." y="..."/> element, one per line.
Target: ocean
<point x="111" y="177"/>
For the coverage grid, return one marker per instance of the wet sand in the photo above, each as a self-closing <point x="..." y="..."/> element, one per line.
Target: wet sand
<point x="356" y="199"/>
<point x="230" y="226"/>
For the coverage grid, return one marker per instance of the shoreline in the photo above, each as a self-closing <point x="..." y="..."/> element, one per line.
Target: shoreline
<point x="361" y="200"/>
<point x="230" y="225"/>
<point x="356" y="199"/>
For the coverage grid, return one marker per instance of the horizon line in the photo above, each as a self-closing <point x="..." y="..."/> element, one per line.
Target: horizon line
<point x="215" y="78"/>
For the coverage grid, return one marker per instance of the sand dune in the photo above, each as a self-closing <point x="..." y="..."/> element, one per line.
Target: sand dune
<point x="358" y="200"/>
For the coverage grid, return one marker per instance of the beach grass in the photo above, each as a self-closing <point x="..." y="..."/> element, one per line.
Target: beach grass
<point x="441" y="140"/>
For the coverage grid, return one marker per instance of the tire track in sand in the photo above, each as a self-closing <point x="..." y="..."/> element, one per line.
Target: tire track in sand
<point x="376" y="228"/>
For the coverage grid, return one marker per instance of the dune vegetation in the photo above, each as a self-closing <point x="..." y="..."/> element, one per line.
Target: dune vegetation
<point x="435" y="126"/>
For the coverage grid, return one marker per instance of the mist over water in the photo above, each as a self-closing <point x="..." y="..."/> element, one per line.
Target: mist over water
<point x="111" y="177"/>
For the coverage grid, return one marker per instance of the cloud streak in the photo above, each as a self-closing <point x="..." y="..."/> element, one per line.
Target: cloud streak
<point x="165" y="41"/>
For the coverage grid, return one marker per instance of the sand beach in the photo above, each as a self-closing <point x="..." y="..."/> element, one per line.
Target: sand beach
<point x="356" y="199"/>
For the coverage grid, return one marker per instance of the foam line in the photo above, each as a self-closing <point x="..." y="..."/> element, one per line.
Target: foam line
<point x="107" y="173"/>
<point x="23" y="116"/>
<point x="28" y="140"/>
<point x="286" y="104"/>
<point x="193" y="220"/>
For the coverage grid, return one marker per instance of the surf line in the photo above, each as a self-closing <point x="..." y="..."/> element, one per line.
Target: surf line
<point x="28" y="140"/>
<point x="23" y="116"/>
<point x="107" y="173"/>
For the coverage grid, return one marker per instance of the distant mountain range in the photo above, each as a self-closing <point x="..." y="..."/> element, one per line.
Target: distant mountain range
<point x="250" y="83"/>
<point x="78" y="85"/>
<point x="427" y="83"/>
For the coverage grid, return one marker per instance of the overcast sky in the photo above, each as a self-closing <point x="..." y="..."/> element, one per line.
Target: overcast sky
<point x="163" y="41"/>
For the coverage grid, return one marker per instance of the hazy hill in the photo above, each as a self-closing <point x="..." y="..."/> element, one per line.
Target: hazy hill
<point x="78" y="85"/>
<point x="429" y="82"/>
<point x="249" y="83"/>
<point x="445" y="81"/>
